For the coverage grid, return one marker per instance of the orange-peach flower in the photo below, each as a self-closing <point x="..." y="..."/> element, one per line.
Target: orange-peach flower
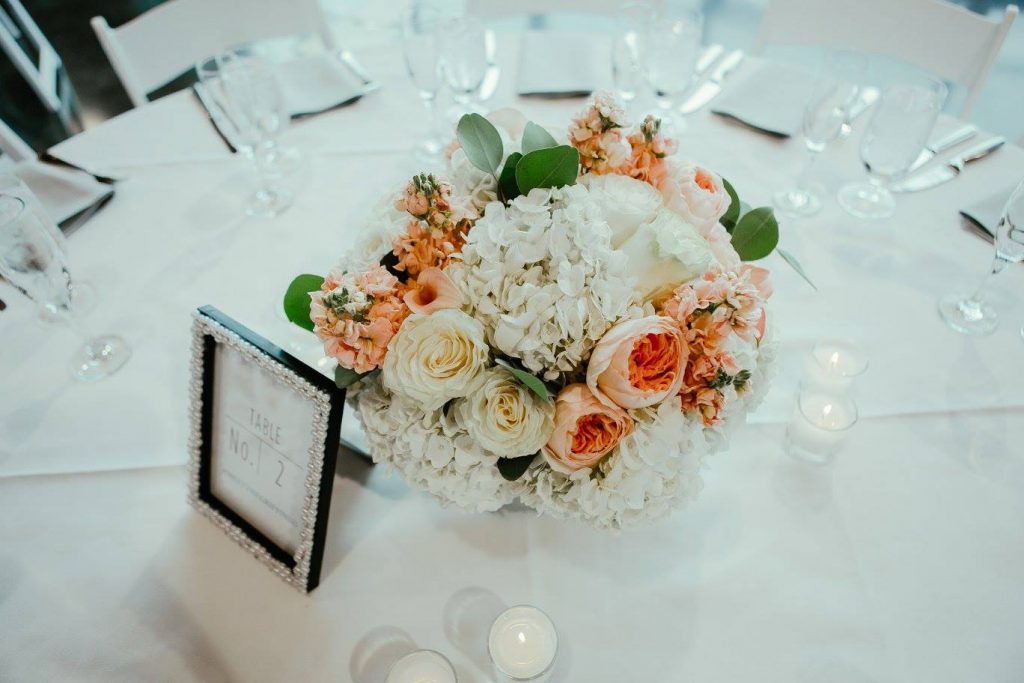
<point x="585" y="430"/>
<point x="696" y="194"/>
<point x="638" y="363"/>
<point x="432" y="291"/>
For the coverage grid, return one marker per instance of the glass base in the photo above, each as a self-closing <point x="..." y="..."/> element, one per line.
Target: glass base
<point x="865" y="200"/>
<point x="83" y="300"/>
<point x="968" y="317"/>
<point x="797" y="202"/>
<point x="268" y="203"/>
<point x="101" y="357"/>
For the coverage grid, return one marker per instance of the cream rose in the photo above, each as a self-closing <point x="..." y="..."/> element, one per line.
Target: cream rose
<point x="665" y="253"/>
<point x="696" y="194"/>
<point x="638" y="363"/>
<point x="505" y="417"/>
<point x="435" y="358"/>
<point x="627" y="203"/>
<point x="585" y="430"/>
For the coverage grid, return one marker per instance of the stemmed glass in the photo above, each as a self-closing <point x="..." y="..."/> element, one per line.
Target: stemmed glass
<point x="832" y="96"/>
<point x="634" y="20"/>
<point x="463" y="53"/>
<point x="972" y="314"/>
<point x="420" y="41"/>
<point x="673" y="46"/>
<point x="255" y="114"/>
<point x="898" y="131"/>
<point x="31" y="260"/>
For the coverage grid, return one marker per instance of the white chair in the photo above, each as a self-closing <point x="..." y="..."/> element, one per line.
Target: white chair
<point x="43" y="69"/>
<point x="156" y="47"/>
<point x="12" y="146"/>
<point x="949" y="41"/>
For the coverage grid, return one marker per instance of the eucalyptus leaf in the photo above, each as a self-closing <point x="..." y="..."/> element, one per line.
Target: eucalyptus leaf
<point x="507" y="182"/>
<point x="756" y="234"/>
<point x="535" y="137"/>
<point x="795" y="265"/>
<point x="344" y="377"/>
<point x="733" y="213"/>
<point x="296" y="299"/>
<point x="481" y="142"/>
<point x="532" y="383"/>
<point x="551" y="167"/>
<point x="513" y="468"/>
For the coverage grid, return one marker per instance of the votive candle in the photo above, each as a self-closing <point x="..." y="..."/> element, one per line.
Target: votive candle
<point x="819" y="425"/>
<point x="422" y="666"/>
<point x="834" y="364"/>
<point x="522" y="644"/>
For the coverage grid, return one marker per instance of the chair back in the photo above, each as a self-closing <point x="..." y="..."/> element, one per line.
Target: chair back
<point x="11" y="144"/>
<point x="30" y="51"/>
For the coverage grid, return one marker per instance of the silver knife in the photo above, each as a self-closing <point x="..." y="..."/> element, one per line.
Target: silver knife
<point x="952" y="139"/>
<point x="349" y="60"/>
<point x="713" y="85"/>
<point x="954" y="167"/>
<point x="491" y="77"/>
<point x="708" y="57"/>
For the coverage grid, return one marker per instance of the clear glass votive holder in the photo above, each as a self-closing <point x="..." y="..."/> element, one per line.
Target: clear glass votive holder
<point x="833" y="365"/>
<point x="819" y="426"/>
<point x="522" y="645"/>
<point x="422" y="666"/>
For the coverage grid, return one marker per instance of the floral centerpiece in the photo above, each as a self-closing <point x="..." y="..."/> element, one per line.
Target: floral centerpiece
<point x="565" y="318"/>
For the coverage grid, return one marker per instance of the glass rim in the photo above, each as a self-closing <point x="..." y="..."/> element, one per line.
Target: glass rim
<point x="845" y="400"/>
<point x="16" y="214"/>
<point x="444" y="659"/>
<point x="554" y="631"/>
<point x="864" y="364"/>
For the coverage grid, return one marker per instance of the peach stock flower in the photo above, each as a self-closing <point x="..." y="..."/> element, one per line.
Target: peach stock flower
<point x="638" y="363"/>
<point x="356" y="315"/>
<point x="597" y="134"/>
<point x="649" y="149"/>
<point x="432" y="291"/>
<point x="585" y="430"/>
<point x="433" y="235"/>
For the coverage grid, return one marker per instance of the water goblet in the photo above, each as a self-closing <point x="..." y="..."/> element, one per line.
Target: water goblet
<point x="33" y="263"/>
<point x="420" y="42"/>
<point x="973" y="314"/>
<point x="463" y="53"/>
<point x="634" y="20"/>
<point x="899" y="129"/>
<point x="672" y="48"/>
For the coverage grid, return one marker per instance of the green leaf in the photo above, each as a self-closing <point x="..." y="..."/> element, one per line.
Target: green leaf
<point x="481" y="142"/>
<point x="344" y="377"/>
<point x="507" y="182"/>
<point x="733" y="214"/>
<point x="532" y="383"/>
<point x="296" y="299"/>
<point x="795" y="265"/>
<point x="535" y="137"/>
<point x="513" y="468"/>
<point x="551" y="167"/>
<point x="756" y="234"/>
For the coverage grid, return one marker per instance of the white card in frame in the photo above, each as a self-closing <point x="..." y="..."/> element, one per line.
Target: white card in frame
<point x="263" y="446"/>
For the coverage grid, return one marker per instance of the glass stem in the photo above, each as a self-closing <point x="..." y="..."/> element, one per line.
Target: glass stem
<point x="430" y="102"/>
<point x="804" y="179"/>
<point x="979" y="294"/>
<point x="262" y="154"/>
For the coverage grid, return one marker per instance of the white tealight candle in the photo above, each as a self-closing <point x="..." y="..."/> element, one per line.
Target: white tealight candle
<point x="834" y="364"/>
<point x="819" y="426"/>
<point x="522" y="643"/>
<point x="422" y="666"/>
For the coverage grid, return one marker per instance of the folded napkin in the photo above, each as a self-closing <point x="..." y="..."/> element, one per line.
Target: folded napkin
<point x="986" y="213"/>
<point x="767" y="96"/>
<point x="558" y="64"/>
<point x="317" y="83"/>
<point x="69" y="196"/>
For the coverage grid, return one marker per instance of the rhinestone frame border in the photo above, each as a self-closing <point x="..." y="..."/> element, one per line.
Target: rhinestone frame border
<point x="203" y="327"/>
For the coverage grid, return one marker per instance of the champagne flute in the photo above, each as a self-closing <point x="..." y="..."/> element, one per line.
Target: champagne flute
<point x="420" y="40"/>
<point x="973" y="314"/>
<point x="31" y="260"/>
<point x="672" y="48"/>
<point x="899" y="130"/>
<point x="463" y="51"/>
<point x="834" y="93"/>
<point x="626" y="49"/>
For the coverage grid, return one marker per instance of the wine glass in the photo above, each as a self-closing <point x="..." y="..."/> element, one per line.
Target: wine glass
<point x="463" y="52"/>
<point x="420" y="41"/>
<point x="833" y="94"/>
<point x="255" y="114"/>
<point x="634" y="20"/>
<point x="972" y="314"/>
<point x="898" y="131"/>
<point x="672" y="47"/>
<point x="31" y="260"/>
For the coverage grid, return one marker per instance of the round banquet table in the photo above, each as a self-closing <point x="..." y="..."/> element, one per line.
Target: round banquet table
<point x="901" y="561"/>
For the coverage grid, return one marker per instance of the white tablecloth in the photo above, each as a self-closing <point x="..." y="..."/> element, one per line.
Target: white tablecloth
<point x="903" y="561"/>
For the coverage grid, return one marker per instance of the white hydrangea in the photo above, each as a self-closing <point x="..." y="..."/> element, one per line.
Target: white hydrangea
<point x="541" y="275"/>
<point x="429" y="450"/>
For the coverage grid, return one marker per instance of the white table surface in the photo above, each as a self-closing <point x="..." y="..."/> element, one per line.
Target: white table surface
<point x="902" y="561"/>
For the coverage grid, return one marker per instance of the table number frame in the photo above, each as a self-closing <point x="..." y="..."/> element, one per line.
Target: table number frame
<point x="212" y="328"/>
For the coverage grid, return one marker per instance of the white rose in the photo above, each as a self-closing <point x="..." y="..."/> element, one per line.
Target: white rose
<point x="665" y="253"/>
<point x="435" y="358"/>
<point x="627" y="203"/>
<point x="696" y="194"/>
<point x="505" y="417"/>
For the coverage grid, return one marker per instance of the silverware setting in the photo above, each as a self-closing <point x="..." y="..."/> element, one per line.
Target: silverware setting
<point x="948" y="141"/>
<point x="712" y="86"/>
<point x="925" y="180"/>
<point x="348" y="59"/>
<point x="493" y="74"/>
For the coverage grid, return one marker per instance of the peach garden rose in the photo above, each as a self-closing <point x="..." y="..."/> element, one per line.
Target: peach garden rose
<point x="638" y="363"/>
<point x="586" y="430"/>
<point x="696" y="194"/>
